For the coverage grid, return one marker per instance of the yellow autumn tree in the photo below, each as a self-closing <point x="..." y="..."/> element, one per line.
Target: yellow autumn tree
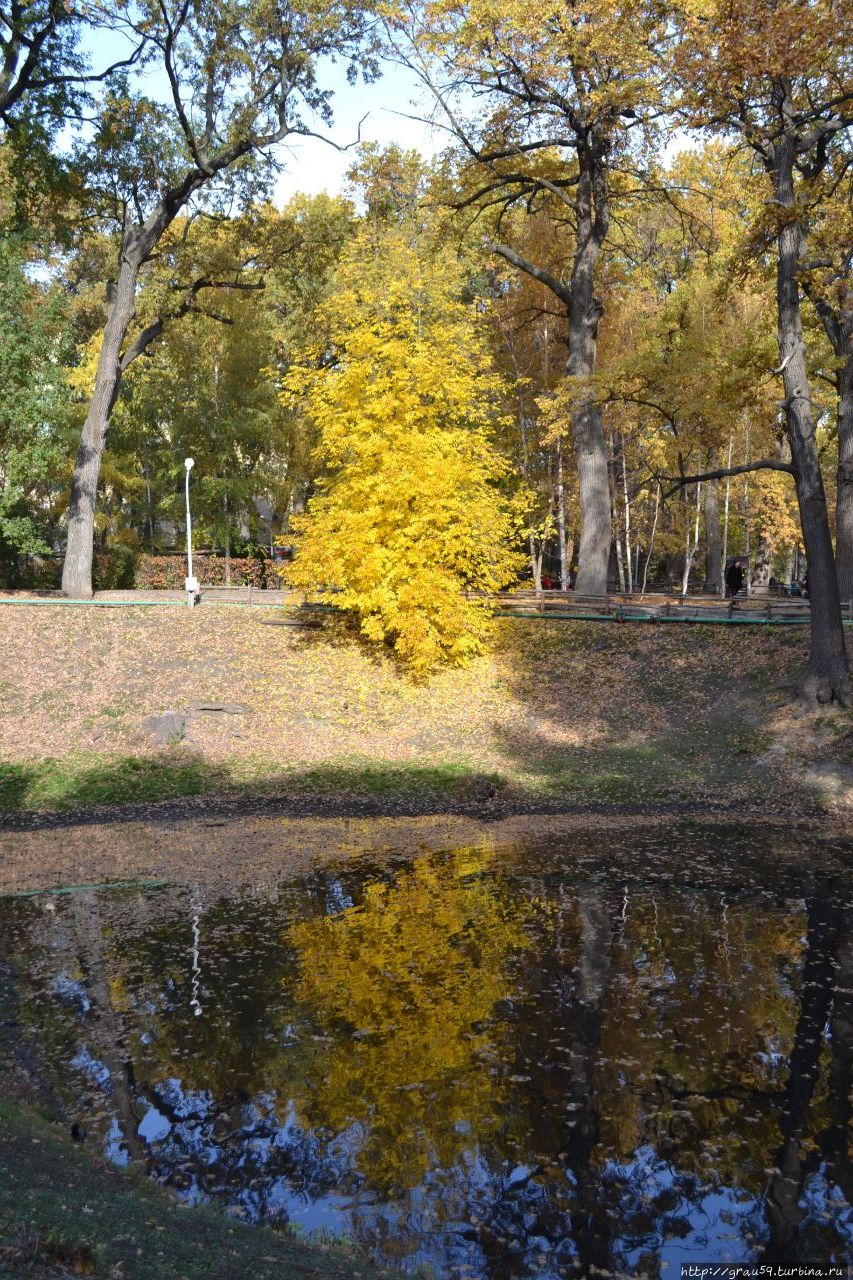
<point x="410" y="516"/>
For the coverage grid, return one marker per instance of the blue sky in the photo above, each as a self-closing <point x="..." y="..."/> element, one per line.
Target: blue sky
<point x="312" y="165"/>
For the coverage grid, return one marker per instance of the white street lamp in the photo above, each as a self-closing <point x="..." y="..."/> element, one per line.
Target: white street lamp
<point x="190" y="583"/>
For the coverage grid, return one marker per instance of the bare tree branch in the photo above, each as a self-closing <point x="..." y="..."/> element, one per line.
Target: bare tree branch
<point x="763" y="464"/>
<point x="537" y="273"/>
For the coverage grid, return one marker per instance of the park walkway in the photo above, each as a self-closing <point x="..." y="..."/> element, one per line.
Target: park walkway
<point x="550" y="605"/>
<point x="659" y="607"/>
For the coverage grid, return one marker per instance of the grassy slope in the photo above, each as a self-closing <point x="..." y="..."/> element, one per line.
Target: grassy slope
<point x="560" y="711"/>
<point x="63" y="1213"/>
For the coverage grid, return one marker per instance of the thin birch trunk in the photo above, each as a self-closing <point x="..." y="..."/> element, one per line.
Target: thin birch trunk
<point x="627" y="509"/>
<point x="725" y="553"/>
<point x="651" y="541"/>
<point x="561" y="518"/>
<point x="712" y="581"/>
<point x="690" y="550"/>
<point x="620" y="564"/>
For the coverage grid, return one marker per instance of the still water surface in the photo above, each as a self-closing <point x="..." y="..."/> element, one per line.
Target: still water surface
<point x="622" y="1051"/>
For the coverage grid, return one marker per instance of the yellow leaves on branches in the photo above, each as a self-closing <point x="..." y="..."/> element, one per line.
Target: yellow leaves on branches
<point x="410" y="516"/>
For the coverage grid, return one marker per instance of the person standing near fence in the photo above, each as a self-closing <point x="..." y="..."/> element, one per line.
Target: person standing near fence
<point x="734" y="578"/>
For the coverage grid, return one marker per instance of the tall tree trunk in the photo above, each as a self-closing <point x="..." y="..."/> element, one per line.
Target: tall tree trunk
<point x="725" y="551"/>
<point x="837" y="322"/>
<point x="535" y="561"/>
<point x="614" y="520"/>
<point x="651" y="541"/>
<point x="137" y="245"/>
<point x="691" y="547"/>
<point x="561" y="519"/>
<point x="150" y="513"/>
<point x="620" y="564"/>
<point x="713" y="550"/>
<point x="77" y="568"/>
<point x="535" y="558"/>
<point x="827" y="674"/>
<point x="761" y="573"/>
<point x="626" y="506"/>
<point x="789" y="567"/>
<point x="844" y="501"/>
<point x="747" y="515"/>
<point x="227" y="543"/>
<point x="585" y="310"/>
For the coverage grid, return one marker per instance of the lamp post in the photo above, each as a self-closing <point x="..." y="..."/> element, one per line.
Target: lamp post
<point x="190" y="583"/>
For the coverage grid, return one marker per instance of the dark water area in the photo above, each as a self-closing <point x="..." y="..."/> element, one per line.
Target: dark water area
<point x="619" y="1051"/>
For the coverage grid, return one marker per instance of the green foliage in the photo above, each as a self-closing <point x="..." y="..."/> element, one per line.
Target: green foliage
<point x="33" y="342"/>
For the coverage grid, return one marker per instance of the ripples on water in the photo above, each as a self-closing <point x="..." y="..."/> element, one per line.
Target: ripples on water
<point x="626" y="1053"/>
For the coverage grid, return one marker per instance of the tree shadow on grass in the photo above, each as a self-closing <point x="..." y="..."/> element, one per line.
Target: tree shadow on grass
<point x="63" y="784"/>
<point x="636" y="715"/>
<point x="55" y="793"/>
<point x="603" y="719"/>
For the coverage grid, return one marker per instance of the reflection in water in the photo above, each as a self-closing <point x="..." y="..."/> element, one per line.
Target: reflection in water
<point x="500" y="1065"/>
<point x="195" y="1003"/>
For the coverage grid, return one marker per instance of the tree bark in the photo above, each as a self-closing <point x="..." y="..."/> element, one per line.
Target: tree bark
<point x="761" y="572"/>
<point x="592" y="211"/>
<point x="227" y="542"/>
<point x="651" y="541"/>
<point x="626" y="507"/>
<point x="535" y="557"/>
<point x="713" y="548"/>
<point x="747" y="516"/>
<point x="561" y="519"/>
<point x="844" y="501"/>
<point x="691" y="547"/>
<point x="535" y="562"/>
<point x="837" y="323"/>
<point x="827" y="675"/>
<point x="584" y="314"/>
<point x="77" y="567"/>
<point x="585" y="311"/>
<point x="725" y="551"/>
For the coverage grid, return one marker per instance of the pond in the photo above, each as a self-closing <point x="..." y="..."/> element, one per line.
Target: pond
<point x="625" y="1051"/>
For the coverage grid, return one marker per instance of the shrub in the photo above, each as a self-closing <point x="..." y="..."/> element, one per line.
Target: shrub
<point x="157" y="573"/>
<point x="114" y="570"/>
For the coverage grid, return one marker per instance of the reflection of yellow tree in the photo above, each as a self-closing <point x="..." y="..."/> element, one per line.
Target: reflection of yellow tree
<point x="412" y="972"/>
